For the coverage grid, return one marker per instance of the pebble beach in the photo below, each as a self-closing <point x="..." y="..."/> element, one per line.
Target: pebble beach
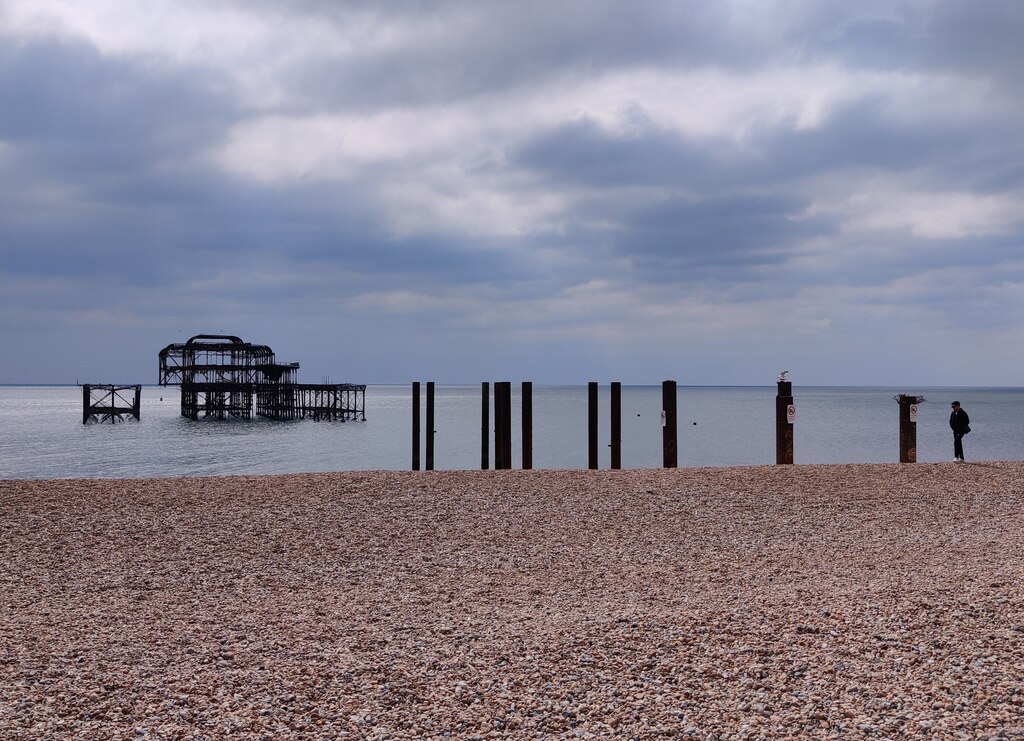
<point x="809" y="601"/>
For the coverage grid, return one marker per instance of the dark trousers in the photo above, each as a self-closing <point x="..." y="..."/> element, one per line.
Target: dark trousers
<point x="958" y="445"/>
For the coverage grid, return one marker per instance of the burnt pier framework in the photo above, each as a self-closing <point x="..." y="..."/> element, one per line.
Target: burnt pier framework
<point x="223" y="377"/>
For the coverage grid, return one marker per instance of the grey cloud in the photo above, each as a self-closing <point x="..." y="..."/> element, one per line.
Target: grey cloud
<point x="468" y="49"/>
<point x="86" y="114"/>
<point x="582" y="153"/>
<point x="699" y="237"/>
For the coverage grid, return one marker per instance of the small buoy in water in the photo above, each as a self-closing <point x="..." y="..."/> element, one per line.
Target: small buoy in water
<point x="694" y="424"/>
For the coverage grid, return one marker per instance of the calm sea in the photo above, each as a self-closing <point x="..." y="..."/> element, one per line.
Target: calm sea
<point x="43" y="435"/>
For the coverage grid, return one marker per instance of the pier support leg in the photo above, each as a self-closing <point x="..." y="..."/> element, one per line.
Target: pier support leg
<point x="503" y="425"/>
<point x="783" y="425"/>
<point x="669" y="433"/>
<point x="485" y="425"/>
<point x="416" y="426"/>
<point x="527" y="425"/>
<point x="430" y="425"/>
<point x="616" y="425"/>
<point x="908" y="428"/>
<point x="592" y="442"/>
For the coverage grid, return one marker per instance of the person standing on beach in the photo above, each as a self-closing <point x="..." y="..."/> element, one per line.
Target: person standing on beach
<point x="960" y="423"/>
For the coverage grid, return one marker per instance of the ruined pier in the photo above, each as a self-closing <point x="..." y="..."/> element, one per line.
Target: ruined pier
<point x="223" y="377"/>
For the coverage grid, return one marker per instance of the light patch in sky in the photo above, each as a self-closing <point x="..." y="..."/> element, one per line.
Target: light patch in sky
<point x="895" y="205"/>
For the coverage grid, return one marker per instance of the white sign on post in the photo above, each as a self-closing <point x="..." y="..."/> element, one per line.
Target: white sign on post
<point x="913" y="412"/>
<point x="791" y="413"/>
<point x="664" y="418"/>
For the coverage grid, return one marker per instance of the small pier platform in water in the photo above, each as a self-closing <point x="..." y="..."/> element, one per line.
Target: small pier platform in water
<point x="108" y="403"/>
<point x="222" y="377"/>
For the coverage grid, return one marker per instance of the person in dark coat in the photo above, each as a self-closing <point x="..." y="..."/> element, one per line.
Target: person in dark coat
<point x="960" y="423"/>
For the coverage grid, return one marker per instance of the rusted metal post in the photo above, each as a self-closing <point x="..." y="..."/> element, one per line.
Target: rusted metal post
<point x="86" y="402"/>
<point x="785" y="413"/>
<point x="415" y="425"/>
<point x="616" y="426"/>
<point x="430" y="425"/>
<point x="503" y="425"/>
<point x="908" y="427"/>
<point x="592" y="442"/>
<point x="485" y="426"/>
<point x="527" y="425"/>
<point x="670" y="455"/>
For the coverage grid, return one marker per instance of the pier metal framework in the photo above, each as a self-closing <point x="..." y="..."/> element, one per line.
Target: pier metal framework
<point x="109" y="403"/>
<point x="222" y="377"/>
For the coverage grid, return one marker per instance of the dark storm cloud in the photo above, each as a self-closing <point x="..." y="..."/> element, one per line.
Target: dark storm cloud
<point x="94" y="173"/>
<point x="82" y="115"/>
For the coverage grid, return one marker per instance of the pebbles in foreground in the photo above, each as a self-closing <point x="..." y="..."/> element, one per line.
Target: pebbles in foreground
<point x="862" y="601"/>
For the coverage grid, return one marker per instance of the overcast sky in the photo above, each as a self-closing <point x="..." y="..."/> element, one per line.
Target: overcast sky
<point x="557" y="191"/>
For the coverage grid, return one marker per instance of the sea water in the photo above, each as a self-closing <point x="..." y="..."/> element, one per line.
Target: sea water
<point x="43" y="435"/>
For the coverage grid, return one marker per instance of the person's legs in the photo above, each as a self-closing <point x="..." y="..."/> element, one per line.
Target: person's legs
<point x="958" y="447"/>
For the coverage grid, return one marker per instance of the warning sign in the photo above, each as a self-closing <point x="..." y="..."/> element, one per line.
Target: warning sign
<point x="791" y="413"/>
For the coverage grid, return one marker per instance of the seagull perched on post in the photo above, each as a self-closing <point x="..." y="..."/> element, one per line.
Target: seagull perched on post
<point x="782" y="376"/>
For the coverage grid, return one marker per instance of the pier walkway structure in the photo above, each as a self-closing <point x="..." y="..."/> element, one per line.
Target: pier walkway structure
<point x="222" y="377"/>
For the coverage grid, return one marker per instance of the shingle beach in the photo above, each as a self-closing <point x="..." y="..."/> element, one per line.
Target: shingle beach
<point x="846" y="601"/>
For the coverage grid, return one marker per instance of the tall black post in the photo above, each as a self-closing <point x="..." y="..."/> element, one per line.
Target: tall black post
<point x="908" y="427"/>
<point x="670" y="455"/>
<point x="430" y="425"/>
<point x="485" y="425"/>
<point x="503" y="425"/>
<point x="592" y="425"/>
<point x="415" y="425"/>
<point x="527" y="425"/>
<point x="616" y="442"/>
<point x="785" y="411"/>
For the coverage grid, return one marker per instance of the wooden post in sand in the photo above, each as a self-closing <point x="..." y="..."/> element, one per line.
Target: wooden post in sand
<point x="527" y="425"/>
<point x="785" y="412"/>
<point x="670" y="454"/>
<point x="415" y="425"/>
<point x="592" y="425"/>
<point x="908" y="427"/>
<point x="430" y="425"/>
<point x="616" y="442"/>
<point x="485" y="425"/>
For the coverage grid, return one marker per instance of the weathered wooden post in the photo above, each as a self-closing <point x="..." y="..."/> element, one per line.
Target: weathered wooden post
<point x="503" y="425"/>
<point x="669" y="447"/>
<point x="616" y="426"/>
<point x="430" y="425"/>
<point x="485" y="426"/>
<point x="908" y="426"/>
<point x="415" y="425"/>
<point x="527" y="425"/>
<point x="785" y="414"/>
<point x="86" y="402"/>
<point x="592" y="425"/>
